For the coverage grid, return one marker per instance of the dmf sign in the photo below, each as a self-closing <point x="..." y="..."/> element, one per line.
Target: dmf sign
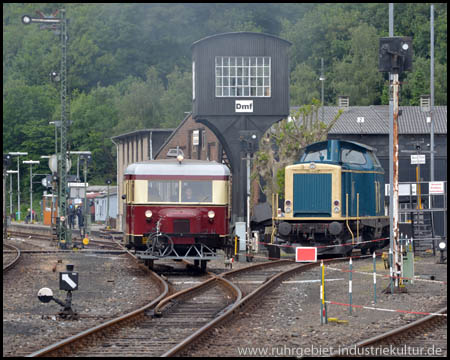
<point x="243" y="106"/>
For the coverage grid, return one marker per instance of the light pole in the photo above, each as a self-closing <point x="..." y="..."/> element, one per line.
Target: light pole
<point x="57" y="124"/>
<point x="108" y="182"/>
<point x="59" y="26"/>
<point x="322" y="80"/>
<point x="10" y="172"/>
<point x="31" y="162"/>
<point x="18" y="154"/>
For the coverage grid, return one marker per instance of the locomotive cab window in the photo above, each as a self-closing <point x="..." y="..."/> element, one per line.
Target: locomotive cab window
<point x="375" y="160"/>
<point x="351" y="156"/>
<point x="320" y="155"/>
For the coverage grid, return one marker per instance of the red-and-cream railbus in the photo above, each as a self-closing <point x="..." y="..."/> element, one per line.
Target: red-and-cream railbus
<point x="177" y="209"/>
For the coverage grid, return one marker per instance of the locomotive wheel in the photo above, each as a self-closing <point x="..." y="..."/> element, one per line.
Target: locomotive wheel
<point x="160" y="245"/>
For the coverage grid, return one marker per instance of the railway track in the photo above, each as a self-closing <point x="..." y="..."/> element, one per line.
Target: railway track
<point x="175" y="323"/>
<point x="417" y="338"/>
<point x="97" y="243"/>
<point x="169" y="325"/>
<point x="10" y="257"/>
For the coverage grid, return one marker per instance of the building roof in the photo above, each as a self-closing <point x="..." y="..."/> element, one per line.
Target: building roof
<point x="237" y="33"/>
<point x="102" y="189"/>
<point x="174" y="132"/>
<point x="139" y="132"/>
<point x="376" y="120"/>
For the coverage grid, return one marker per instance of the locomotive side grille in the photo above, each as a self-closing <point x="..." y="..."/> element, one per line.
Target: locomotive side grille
<point x="312" y="195"/>
<point x="181" y="226"/>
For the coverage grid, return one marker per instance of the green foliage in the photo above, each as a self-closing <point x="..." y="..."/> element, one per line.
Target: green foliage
<point x="282" y="144"/>
<point x="177" y="100"/>
<point x="304" y="85"/>
<point x="357" y="75"/>
<point x="129" y="65"/>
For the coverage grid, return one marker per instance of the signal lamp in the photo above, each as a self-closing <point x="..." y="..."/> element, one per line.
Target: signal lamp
<point x="26" y="19"/>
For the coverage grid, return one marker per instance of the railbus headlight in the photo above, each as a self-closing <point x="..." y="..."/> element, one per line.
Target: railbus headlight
<point x="148" y="214"/>
<point x="211" y="214"/>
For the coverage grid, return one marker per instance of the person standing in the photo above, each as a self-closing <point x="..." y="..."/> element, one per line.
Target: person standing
<point x="80" y="217"/>
<point x="71" y="215"/>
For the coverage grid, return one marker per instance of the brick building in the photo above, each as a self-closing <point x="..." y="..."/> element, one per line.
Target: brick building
<point x="194" y="139"/>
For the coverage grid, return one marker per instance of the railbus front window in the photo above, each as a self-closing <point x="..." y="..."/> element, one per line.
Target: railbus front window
<point x="196" y="191"/>
<point x="163" y="190"/>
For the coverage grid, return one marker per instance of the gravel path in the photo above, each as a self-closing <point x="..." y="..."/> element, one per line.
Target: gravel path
<point x="287" y="322"/>
<point x="109" y="285"/>
<point x="284" y="323"/>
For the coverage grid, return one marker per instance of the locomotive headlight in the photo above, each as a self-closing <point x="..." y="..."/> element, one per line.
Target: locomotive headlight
<point x="287" y="206"/>
<point x="312" y="165"/>
<point x="148" y="214"/>
<point x="336" y="206"/>
<point x="211" y="214"/>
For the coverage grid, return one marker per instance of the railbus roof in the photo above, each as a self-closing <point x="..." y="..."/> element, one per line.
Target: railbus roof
<point x="172" y="167"/>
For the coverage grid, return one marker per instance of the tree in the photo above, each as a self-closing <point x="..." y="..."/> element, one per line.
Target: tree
<point x="177" y="99"/>
<point x="93" y="116"/>
<point x="282" y="144"/>
<point x="304" y="84"/>
<point x="140" y="106"/>
<point x="357" y="75"/>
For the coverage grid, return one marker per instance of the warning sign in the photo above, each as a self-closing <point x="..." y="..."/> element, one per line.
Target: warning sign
<point x="306" y="254"/>
<point x="436" y="187"/>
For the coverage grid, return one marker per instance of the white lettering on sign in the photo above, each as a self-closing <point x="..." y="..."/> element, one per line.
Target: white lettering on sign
<point x="67" y="279"/>
<point x="243" y="106"/>
<point x="437" y="187"/>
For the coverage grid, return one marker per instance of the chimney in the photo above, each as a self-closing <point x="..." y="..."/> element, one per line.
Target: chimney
<point x="343" y="101"/>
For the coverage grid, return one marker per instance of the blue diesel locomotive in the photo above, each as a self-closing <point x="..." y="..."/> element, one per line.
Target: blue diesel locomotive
<point x="333" y="196"/>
